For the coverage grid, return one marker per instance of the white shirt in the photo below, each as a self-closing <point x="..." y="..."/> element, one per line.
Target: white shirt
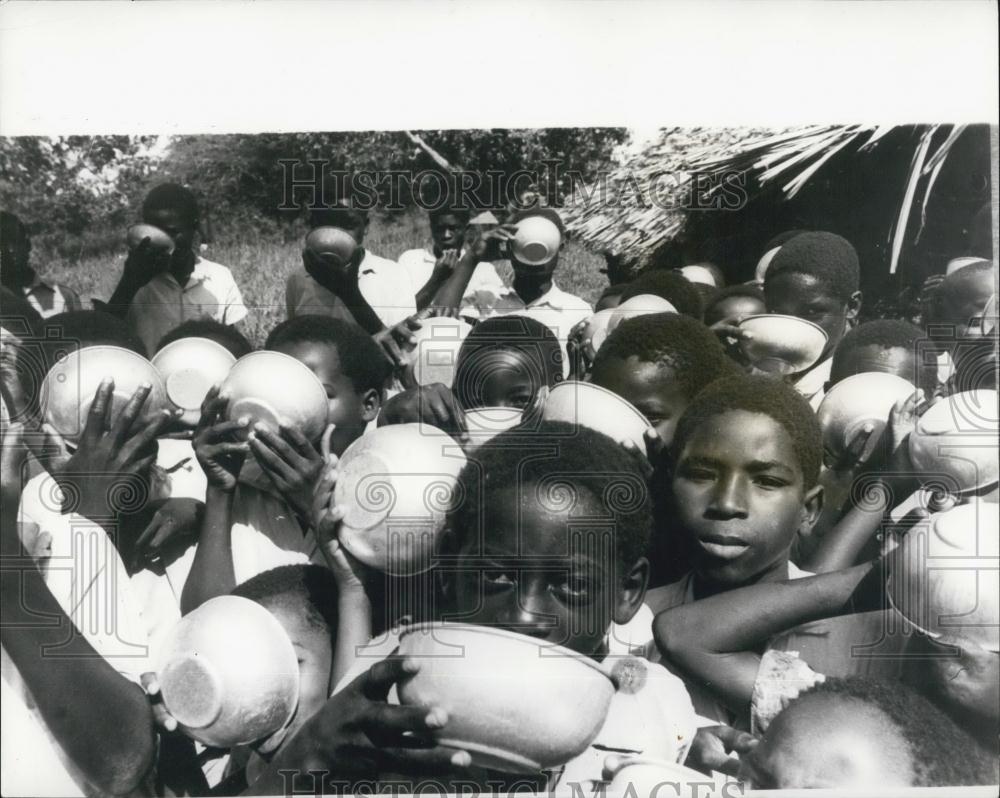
<point x="385" y="285"/>
<point x="484" y="281"/>
<point x="50" y="298"/>
<point x="162" y="304"/>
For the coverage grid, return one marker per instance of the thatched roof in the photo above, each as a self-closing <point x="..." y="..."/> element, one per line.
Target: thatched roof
<point x="643" y="203"/>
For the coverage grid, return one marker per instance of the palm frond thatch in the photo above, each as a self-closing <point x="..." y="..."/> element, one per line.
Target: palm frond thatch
<point x="641" y="204"/>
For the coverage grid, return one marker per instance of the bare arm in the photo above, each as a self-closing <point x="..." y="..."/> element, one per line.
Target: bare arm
<point x="212" y="572"/>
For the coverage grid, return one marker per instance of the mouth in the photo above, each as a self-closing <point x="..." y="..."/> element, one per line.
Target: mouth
<point x="723" y="547"/>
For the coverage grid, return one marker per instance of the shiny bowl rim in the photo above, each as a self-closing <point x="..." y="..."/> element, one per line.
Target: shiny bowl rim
<point x="595" y="386"/>
<point x="812" y="324"/>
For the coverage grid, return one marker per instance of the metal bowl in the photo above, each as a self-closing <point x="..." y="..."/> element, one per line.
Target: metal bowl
<point x="158" y="239"/>
<point x="228" y="673"/>
<point x="68" y="389"/>
<point x="536" y="241"/>
<point x="856" y="401"/>
<point x="333" y="241"/>
<point x="514" y="702"/>
<point x="641" y="305"/>
<point x="190" y="367"/>
<point x="271" y="387"/>
<point x="596" y="408"/>
<point x="782" y="344"/>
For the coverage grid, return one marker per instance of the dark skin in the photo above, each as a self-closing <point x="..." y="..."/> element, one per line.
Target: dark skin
<point x="733" y="308"/>
<point x="507" y="378"/>
<point x="798" y="294"/>
<point x="651" y="387"/>
<point x="485" y="246"/>
<point x="897" y="360"/>
<point x="448" y="234"/>
<point x="566" y="595"/>
<point x="740" y="495"/>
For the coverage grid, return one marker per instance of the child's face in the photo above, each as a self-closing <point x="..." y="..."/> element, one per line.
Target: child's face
<point x="964" y="303"/>
<point x="826" y="741"/>
<point x="532" y="575"/>
<point x="349" y="410"/>
<point x="314" y="649"/>
<point x="802" y="295"/>
<point x="174" y="224"/>
<point x="506" y="378"/>
<point x="447" y="231"/>
<point x="897" y="360"/>
<point x="733" y="307"/>
<point x="652" y="388"/>
<point x="739" y="494"/>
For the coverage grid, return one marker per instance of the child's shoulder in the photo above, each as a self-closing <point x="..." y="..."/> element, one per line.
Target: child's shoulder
<point x="213" y="270"/>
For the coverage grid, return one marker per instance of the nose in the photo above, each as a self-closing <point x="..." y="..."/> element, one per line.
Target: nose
<point x="730" y="498"/>
<point x="527" y="613"/>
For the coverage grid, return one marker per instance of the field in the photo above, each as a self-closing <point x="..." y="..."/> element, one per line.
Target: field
<point x="261" y="263"/>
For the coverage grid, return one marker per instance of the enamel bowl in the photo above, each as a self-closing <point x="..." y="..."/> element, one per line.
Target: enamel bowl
<point x="536" y="241"/>
<point x="228" y="673"/>
<point x="331" y="241"/>
<point x="642" y="305"/>
<point x="68" y="389"/>
<point x="190" y="367"/>
<point x="596" y="408"/>
<point x="270" y="387"/>
<point x="396" y="484"/>
<point x="858" y="400"/>
<point x="643" y="776"/>
<point x="514" y="702"/>
<point x="944" y="577"/>
<point x="698" y="274"/>
<point x="782" y="344"/>
<point x="158" y="239"/>
<point x="485" y="423"/>
<point x="957" y="439"/>
<point x="595" y="332"/>
<point x="436" y="353"/>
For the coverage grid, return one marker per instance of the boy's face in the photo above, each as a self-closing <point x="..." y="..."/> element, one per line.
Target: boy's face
<point x="822" y="741"/>
<point x="348" y="410"/>
<point x="652" y="388"/>
<point x="174" y="224"/>
<point x="314" y="649"/>
<point x="733" y="307"/>
<point x="537" y="576"/>
<point x="897" y="360"/>
<point x="963" y="300"/>
<point x="506" y="377"/>
<point x="739" y="494"/>
<point x="448" y="232"/>
<point x="802" y="295"/>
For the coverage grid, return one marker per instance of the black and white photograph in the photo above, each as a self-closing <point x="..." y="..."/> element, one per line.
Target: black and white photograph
<point x="500" y="399"/>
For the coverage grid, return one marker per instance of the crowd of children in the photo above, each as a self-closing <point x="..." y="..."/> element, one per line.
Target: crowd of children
<point x="742" y="580"/>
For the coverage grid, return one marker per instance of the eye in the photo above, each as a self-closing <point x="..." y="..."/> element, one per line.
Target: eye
<point x="698" y="474"/>
<point x="771" y="483"/>
<point x="574" y="589"/>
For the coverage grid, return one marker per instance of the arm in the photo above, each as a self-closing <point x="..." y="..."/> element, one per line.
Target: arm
<point x="141" y="266"/>
<point x="712" y="640"/>
<point x="101" y="720"/>
<point x="452" y="292"/>
<point x="443" y="269"/>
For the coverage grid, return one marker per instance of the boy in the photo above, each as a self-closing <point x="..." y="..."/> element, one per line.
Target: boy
<point x="254" y="508"/>
<point x="956" y="323"/>
<point x="815" y="276"/>
<point x="659" y="362"/>
<point x="889" y="346"/>
<point x="48" y="298"/>
<point x="671" y="286"/>
<point x="733" y="303"/>
<point x="430" y="268"/>
<point x="223" y="334"/>
<point x="155" y="296"/>
<point x="375" y="292"/>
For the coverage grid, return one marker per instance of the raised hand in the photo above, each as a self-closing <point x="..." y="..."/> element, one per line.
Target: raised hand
<point x="430" y="404"/>
<point x="144" y="262"/>
<point x="291" y="462"/>
<point x="219" y="454"/>
<point x="487" y="245"/>
<point x="713" y="746"/>
<point x="325" y="519"/>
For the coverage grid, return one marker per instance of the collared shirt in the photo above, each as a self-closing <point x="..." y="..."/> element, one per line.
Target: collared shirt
<point x="50" y="298"/>
<point x="384" y="284"/>
<point x="162" y="304"/>
<point x="485" y="281"/>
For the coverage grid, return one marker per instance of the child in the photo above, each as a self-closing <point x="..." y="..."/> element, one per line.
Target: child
<point x="429" y="269"/>
<point x="888" y="346"/>
<point x="155" y="297"/>
<point x="671" y="286"/>
<point x="659" y="363"/>
<point x="853" y="733"/>
<point x="746" y="457"/>
<point x="515" y="558"/>
<point x="733" y="303"/>
<point x="223" y="334"/>
<point x="956" y="322"/>
<point x="255" y="510"/>
<point x="770" y="250"/>
<point x="375" y="292"/>
<point x="47" y="298"/>
<point x="815" y="276"/>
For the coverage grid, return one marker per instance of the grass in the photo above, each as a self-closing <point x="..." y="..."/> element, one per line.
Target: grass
<point x="261" y="264"/>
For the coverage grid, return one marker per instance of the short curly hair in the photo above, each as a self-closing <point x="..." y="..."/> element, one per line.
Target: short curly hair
<point x="521" y="334"/>
<point x="770" y="396"/>
<point x="883" y="333"/>
<point x="361" y="359"/>
<point x="743" y="291"/>
<point x="829" y="258"/>
<point x="311" y="588"/>
<point x="672" y="286"/>
<point x="578" y="460"/>
<point x="173" y="197"/>
<point x="225" y="334"/>
<point x="88" y="328"/>
<point x="941" y="754"/>
<point x="677" y="342"/>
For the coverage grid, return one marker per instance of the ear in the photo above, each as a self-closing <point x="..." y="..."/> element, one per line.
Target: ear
<point x="812" y="506"/>
<point x="853" y="306"/>
<point x="631" y="591"/>
<point x="371" y="403"/>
